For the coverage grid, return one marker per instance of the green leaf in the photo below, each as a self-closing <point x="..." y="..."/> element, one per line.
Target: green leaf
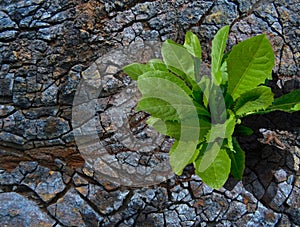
<point x="191" y="127"/>
<point x="196" y="153"/>
<point x="181" y="154"/>
<point x="189" y="81"/>
<point x="192" y="44"/>
<point x="218" y="48"/>
<point x="203" y="116"/>
<point x="178" y="57"/>
<point x="215" y="136"/>
<point x="201" y="111"/>
<point x="230" y="125"/>
<point x="205" y="126"/>
<point x="204" y="86"/>
<point x="228" y="101"/>
<point x="170" y="77"/>
<point x="288" y="103"/>
<point x="168" y="91"/>
<point x="135" y="70"/>
<point x="254" y="100"/>
<point x="209" y="156"/>
<point x="157" y="64"/>
<point x="168" y="128"/>
<point x="222" y="131"/>
<point x="217" y="173"/>
<point x="174" y="128"/>
<point x="249" y="64"/>
<point x="224" y="73"/>
<point x="217" y="105"/>
<point x="296" y="107"/>
<point x="237" y="160"/>
<point x="167" y="86"/>
<point x="158" y="108"/>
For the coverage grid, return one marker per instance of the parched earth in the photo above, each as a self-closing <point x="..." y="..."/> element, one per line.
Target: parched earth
<point x="50" y="176"/>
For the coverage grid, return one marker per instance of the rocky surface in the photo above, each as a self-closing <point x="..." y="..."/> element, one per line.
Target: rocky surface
<point x="48" y="47"/>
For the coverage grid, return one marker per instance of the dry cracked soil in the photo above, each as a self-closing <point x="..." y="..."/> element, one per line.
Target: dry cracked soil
<point x="48" y="47"/>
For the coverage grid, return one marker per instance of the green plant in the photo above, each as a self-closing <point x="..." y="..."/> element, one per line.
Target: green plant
<point x="203" y="113"/>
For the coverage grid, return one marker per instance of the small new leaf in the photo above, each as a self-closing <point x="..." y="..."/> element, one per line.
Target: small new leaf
<point x="218" y="48"/>
<point x="192" y="44"/>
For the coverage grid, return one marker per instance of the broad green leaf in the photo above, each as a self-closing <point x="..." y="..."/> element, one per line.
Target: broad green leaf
<point x="164" y="84"/>
<point x="157" y="64"/>
<point x="168" y="128"/>
<point x="192" y="44"/>
<point x="173" y="128"/>
<point x="178" y="99"/>
<point x="181" y="154"/>
<point x="237" y="160"/>
<point x="249" y="64"/>
<point x="217" y="173"/>
<point x="158" y="108"/>
<point x="135" y="70"/>
<point x="178" y="57"/>
<point x="254" y="100"/>
<point x="170" y="92"/>
<point x="152" y="121"/>
<point x="289" y="102"/>
<point x="170" y="77"/>
<point x="209" y="156"/>
<point x="218" y="48"/>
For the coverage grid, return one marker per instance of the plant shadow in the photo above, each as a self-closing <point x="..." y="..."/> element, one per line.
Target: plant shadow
<point x="272" y="173"/>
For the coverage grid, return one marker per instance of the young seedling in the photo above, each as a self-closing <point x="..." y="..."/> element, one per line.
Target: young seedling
<point x="203" y="112"/>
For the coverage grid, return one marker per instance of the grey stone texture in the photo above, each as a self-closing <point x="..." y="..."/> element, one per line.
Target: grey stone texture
<point x="17" y="210"/>
<point x="48" y="47"/>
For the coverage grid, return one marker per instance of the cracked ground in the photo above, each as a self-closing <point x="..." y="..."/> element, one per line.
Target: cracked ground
<point x="48" y="47"/>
